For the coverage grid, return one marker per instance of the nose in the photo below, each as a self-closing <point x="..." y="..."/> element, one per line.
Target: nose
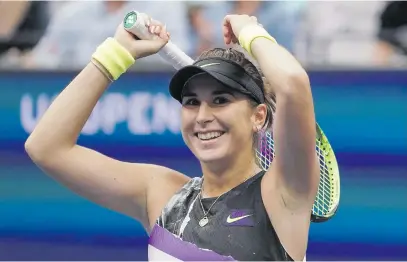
<point x="204" y="114"/>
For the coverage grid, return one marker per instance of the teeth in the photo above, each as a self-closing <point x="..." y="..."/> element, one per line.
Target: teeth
<point x="209" y="135"/>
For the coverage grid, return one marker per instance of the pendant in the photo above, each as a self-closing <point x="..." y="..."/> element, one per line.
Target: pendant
<point x="203" y="222"/>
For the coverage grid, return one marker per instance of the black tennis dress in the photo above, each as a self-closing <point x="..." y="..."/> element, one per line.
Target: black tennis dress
<point x="238" y="227"/>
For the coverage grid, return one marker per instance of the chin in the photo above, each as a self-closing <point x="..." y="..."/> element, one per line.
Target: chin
<point x="211" y="156"/>
<point x="211" y="150"/>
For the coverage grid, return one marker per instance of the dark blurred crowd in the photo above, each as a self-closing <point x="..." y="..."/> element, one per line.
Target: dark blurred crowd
<point x="64" y="34"/>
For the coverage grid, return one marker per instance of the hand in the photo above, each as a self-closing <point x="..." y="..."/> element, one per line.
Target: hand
<point x="233" y="25"/>
<point x="142" y="48"/>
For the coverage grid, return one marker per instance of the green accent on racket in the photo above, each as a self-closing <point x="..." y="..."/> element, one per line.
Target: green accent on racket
<point x="130" y="20"/>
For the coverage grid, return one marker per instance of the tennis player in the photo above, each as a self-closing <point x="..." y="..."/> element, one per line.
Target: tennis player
<point x="235" y="211"/>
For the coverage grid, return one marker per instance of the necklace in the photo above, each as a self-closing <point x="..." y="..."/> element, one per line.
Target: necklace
<point x="205" y="220"/>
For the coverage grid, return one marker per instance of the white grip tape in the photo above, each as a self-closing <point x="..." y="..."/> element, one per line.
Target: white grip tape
<point x="135" y="23"/>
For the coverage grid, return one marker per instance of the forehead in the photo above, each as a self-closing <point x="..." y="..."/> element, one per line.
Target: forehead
<point x="204" y="83"/>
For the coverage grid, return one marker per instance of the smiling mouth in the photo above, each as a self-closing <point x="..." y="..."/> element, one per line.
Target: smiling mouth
<point x="209" y="135"/>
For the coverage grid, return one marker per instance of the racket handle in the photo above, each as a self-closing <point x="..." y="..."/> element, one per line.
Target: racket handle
<point x="134" y="22"/>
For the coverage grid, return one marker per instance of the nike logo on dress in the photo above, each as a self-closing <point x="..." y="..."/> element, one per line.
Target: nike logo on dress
<point x="232" y="220"/>
<point x="240" y="218"/>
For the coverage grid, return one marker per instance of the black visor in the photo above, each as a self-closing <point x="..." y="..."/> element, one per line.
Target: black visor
<point x="227" y="72"/>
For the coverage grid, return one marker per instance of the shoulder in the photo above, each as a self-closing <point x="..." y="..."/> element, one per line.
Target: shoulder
<point x="193" y="183"/>
<point x="167" y="179"/>
<point x="169" y="176"/>
<point x="163" y="186"/>
<point x="180" y="196"/>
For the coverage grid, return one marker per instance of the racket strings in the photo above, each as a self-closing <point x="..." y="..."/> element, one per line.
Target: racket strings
<point x="324" y="199"/>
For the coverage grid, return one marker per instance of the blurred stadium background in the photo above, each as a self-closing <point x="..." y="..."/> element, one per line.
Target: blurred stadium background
<point x="355" y="53"/>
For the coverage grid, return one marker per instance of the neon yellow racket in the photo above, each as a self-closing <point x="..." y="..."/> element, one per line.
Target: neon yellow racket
<point x="327" y="200"/>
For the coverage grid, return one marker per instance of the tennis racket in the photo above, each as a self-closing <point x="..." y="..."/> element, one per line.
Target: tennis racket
<point x="327" y="200"/>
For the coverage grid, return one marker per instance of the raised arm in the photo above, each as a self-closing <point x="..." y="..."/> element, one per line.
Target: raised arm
<point x="290" y="185"/>
<point x="123" y="187"/>
<point x="295" y="165"/>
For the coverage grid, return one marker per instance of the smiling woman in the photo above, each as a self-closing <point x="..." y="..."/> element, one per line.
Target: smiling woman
<point x="224" y="106"/>
<point x="218" y="107"/>
<point x="236" y="210"/>
<point x="226" y="82"/>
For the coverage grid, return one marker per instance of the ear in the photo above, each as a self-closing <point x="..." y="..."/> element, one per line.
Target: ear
<point x="259" y="117"/>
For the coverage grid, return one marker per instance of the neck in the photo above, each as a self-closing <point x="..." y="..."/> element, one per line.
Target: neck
<point x="220" y="178"/>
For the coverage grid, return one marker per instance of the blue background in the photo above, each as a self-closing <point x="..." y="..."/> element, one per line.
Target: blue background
<point x="364" y="114"/>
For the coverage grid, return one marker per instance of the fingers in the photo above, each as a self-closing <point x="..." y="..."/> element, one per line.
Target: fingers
<point x="164" y="34"/>
<point x="156" y="28"/>
<point x="227" y="30"/>
<point x="227" y="35"/>
<point x="159" y="31"/>
<point x="233" y="24"/>
<point x="226" y="20"/>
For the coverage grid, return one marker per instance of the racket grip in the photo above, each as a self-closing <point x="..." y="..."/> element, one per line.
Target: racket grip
<point x="134" y="22"/>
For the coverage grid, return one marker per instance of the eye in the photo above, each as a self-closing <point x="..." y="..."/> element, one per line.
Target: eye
<point x="220" y="100"/>
<point x="190" y="102"/>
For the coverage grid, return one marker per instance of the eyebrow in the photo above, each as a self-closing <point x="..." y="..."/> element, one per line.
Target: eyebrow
<point x="216" y="92"/>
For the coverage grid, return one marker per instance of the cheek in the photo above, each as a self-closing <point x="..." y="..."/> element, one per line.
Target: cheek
<point x="242" y="125"/>
<point x="243" y="131"/>
<point x="186" y="120"/>
<point x="187" y="126"/>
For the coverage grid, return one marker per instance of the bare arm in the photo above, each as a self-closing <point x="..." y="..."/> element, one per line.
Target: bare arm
<point x="295" y="166"/>
<point x="289" y="187"/>
<point x="123" y="187"/>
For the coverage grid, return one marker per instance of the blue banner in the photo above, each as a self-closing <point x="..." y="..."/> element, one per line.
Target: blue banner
<point x="364" y="115"/>
<point x="360" y="112"/>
